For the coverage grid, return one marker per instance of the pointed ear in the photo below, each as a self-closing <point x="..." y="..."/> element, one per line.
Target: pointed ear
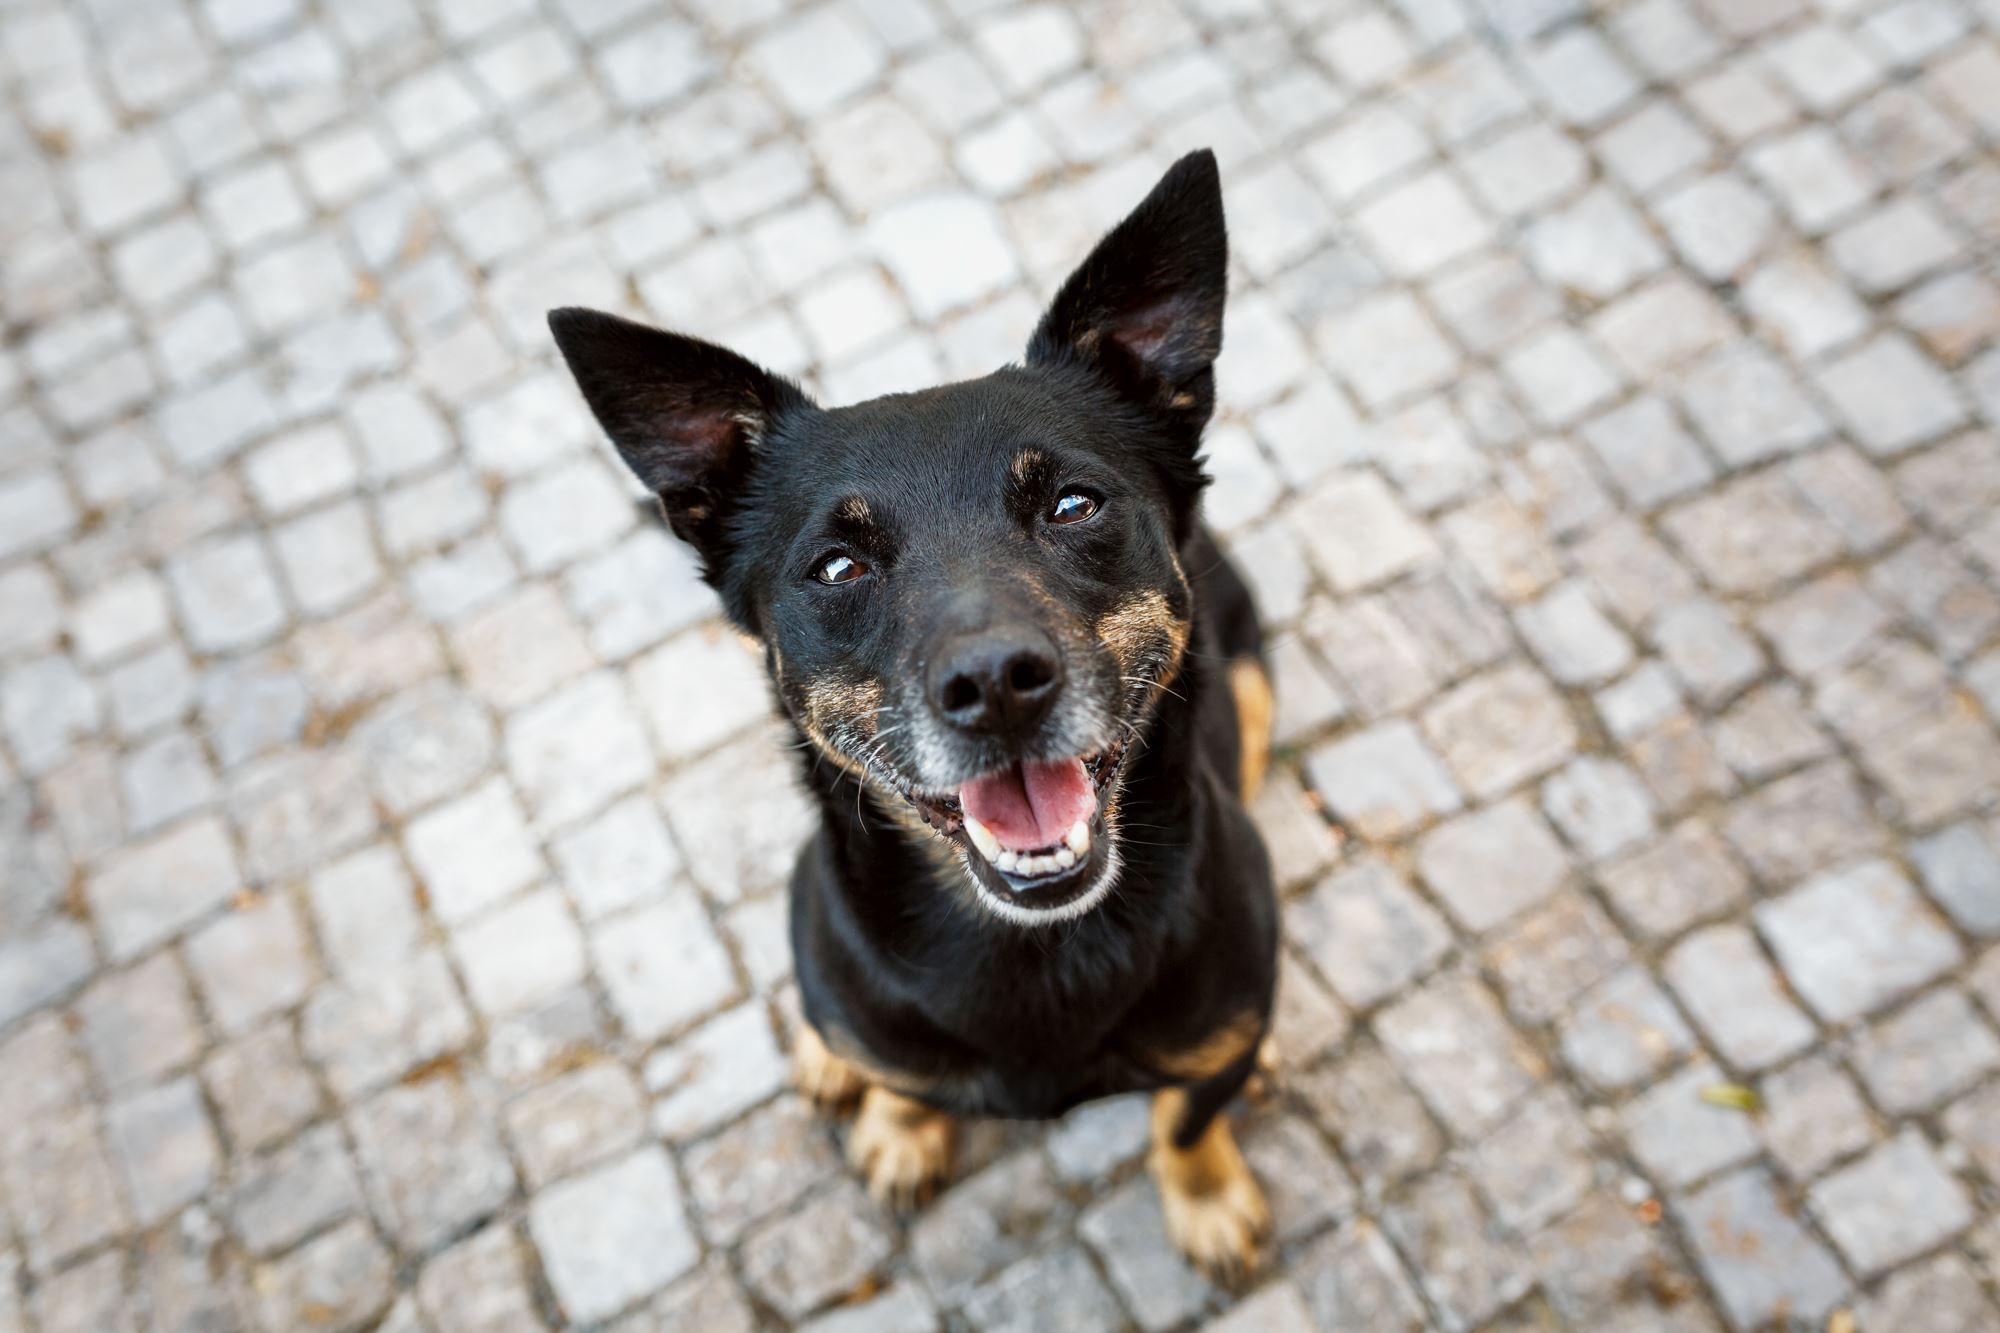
<point x="688" y="417"/>
<point x="1146" y="307"/>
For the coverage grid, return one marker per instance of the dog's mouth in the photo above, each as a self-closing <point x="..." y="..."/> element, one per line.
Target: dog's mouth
<point x="1035" y="828"/>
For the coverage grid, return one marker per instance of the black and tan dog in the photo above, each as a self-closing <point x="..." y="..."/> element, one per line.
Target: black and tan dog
<point x="1030" y="690"/>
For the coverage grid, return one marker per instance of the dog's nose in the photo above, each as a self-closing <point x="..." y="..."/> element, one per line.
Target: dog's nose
<point x="997" y="681"/>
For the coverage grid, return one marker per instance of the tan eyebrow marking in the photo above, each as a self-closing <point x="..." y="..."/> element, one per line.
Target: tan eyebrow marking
<point x="1026" y="462"/>
<point x="854" y="509"/>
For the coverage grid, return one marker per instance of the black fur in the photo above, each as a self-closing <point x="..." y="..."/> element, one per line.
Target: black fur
<point x="899" y="959"/>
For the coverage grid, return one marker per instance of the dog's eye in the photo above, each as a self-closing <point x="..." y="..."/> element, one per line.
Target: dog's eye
<point x="1074" y="507"/>
<point x="838" y="568"/>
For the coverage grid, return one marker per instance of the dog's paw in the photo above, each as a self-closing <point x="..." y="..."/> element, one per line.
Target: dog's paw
<point x="825" y="1079"/>
<point x="1218" y="1230"/>
<point x="901" y="1149"/>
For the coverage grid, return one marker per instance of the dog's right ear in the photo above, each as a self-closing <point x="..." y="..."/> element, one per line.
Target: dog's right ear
<point x="1146" y="307"/>
<point x="688" y="417"/>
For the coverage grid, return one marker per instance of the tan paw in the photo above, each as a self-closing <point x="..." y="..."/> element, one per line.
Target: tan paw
<point x="900" y="1147"/>
<point x="1219" y="1231"/>
<point x="825" y="1079"/>
<point x="1215" y="1210"/>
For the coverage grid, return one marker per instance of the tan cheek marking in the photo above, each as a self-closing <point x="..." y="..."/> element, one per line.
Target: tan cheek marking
<point x="832" y="705"/>
<point x="1141" y="628"/>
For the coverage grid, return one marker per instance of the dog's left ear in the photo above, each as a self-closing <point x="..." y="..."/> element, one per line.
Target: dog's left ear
<point x="1146" y="307"/>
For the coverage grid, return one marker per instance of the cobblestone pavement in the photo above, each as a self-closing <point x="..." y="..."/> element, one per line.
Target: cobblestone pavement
<point x="391" y="842"/>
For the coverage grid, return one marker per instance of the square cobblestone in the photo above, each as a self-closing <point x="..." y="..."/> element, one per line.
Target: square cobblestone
<point x="662" y="966"/>
<point x="339" y="1281"/>
<point x="1798" y="824"/>
<point x="431" y="1162"/>
<point x="1353" y="1275"/>
<point x="261" y="1087"/>
<point x="1813" y="1116"/>
<point x="738" y="818"/>
<point x="288" y="1194"/>
<point x="479" y="1284"/>
<point x="820" y="1250"/>
<point x="251" y="963"/>
<point x="714" y="1073"/>
<point x="1501" y="728"/>
<point x="577" y="1120"/>
<point x="1056" y="1289"/>
<point x="1468" y="1272"/>
<point x="1492" y="864"/>
<point x="1761" y="1262"/>
<point x="1592" y="1260"/>
<point x="759" y="1165"/>
<point x="1381" y="1126"/>
<point x="1943" y="1294"/>
<point x="1367" y="932"/>
<point x="1852" y="940"/>
<point x="1554" y="954"/>
<point x="1934" y="1049"/>
<point x="613" y="1235"/>
<point x="1537" y="1165"/>
<point x="1623" y="1031"/>
<point x="1383" y="781"/>
<point x="1450" y="1040"/>
<point x="153" y="889"/>
<point x="140" y="1023"/>
<point x="1679" y="1136"/>
<point x="1891" y="1205"/>
<point x="167" y="1147"/>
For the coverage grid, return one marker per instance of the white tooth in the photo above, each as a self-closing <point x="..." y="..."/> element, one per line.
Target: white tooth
<point x="1065" y="858"/>
<point x="1036" y="865"/>
<point x="1078" y="839"/>
<point x="982" y="838"/>
<point x="1007" y="861"/>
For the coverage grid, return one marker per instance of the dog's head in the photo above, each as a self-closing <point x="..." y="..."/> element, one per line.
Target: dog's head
<point x="971" y="597"/>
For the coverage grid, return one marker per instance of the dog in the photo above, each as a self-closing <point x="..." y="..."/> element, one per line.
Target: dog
<point x="1032" y="699"/>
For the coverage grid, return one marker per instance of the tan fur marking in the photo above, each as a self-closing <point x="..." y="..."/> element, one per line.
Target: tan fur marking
<point x="901" y="1148"/>
<point x="1025" y="463"/>
<point x="830" y="703"/>
<point x="1255" y="707"/>
<point x="1142" y="627"/>
<point x="826" y="1080"/>
<point x="1213" y="1053"/>
<point x="1262" y="1084"/>
<point x="1214" y="1210"/>
<point x="854" y="509"/>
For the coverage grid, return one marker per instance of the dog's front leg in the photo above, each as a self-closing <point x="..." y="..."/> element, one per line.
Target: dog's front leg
<point x="1215" y="1211"/>
<point x="901" y="1147"/>
<point x="827" y="1081"/>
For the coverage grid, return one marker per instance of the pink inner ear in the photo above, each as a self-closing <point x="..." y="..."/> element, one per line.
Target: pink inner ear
<point x="1144" y="334"/>
<point x="1163" y="334"/>
<point x="695" y="439"/>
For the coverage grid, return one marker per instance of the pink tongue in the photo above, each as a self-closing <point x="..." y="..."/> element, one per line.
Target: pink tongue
<point x="1030" y="806"/>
